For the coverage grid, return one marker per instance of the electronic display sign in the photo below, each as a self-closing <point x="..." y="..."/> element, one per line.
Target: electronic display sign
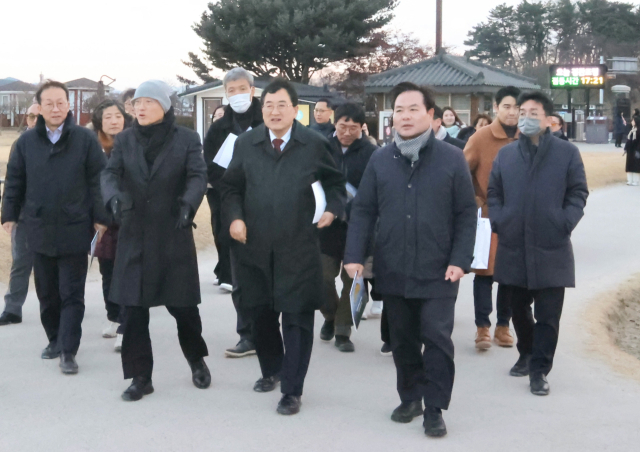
<point x="577" y="76"/>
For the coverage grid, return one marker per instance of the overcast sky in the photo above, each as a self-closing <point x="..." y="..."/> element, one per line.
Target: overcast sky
<point x="135" y="40"/>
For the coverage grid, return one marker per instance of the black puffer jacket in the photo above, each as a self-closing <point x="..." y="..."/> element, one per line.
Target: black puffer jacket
<point x="59" y="187"/>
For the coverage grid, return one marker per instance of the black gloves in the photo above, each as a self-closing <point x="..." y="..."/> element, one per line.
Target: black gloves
<point x="185" y="217"/>
<point x="116" y="209"/>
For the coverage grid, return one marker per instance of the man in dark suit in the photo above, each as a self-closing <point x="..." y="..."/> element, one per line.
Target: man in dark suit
<point x="537" y="194"/>
<point x="418" y="191"/>
<point x="441" y="132"/>
<point x="54" y="172"/>
<point x="268" y="200"/>
<point x="351" y="151"/>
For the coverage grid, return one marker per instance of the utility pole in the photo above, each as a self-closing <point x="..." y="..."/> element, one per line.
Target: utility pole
<point x="438" y="26"/>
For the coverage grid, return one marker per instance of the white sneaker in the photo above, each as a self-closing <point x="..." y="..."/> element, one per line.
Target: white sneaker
<point x="110" y="330"/>
<point x="226" y="287"/>
<point x="376" y="310"/>
<point x="118" y="346"/>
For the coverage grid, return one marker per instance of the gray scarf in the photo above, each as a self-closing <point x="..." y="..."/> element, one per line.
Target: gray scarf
<point x="411" y="148"/>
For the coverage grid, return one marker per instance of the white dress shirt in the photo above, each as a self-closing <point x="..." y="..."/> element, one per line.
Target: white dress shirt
<point x="285" y="138"/>
<point x="54" y="135"/>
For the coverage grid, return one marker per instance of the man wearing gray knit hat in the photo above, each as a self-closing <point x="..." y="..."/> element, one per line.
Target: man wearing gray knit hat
<point x="157" y="90"/>
<point x="154" y="183"/>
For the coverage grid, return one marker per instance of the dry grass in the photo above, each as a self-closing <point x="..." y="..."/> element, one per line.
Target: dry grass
<point x="613" y="321"/>
<point x="603" y="168"/>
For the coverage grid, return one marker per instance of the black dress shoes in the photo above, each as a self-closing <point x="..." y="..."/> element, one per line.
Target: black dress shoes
<point x="539" y="384"/>
<point x="242" y="348"/>
<point x="266" y="384"/>
<point x="521" y="367"/>
<point x="289" y="404"/>
<point x="201" y="376"/>
<point x="407" y="411"/>
<point x="344" y="344"/>
<point x="50" y="352"/>
<point x="327" y="331"/>
<point x="433" y="424"/>
<point x="140" y="386"/>
<point x="68" y="364"/>
<point x="7" y="318"/>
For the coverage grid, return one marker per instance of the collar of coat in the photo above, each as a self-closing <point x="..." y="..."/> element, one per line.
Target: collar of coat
<point x="353" y="147"/>
<point x="544" y="143"/>
<point x="41" y="129"/>
<point x="226" y="122"/>
<point x="499" y="133"/>
<point x="296" y="134"/>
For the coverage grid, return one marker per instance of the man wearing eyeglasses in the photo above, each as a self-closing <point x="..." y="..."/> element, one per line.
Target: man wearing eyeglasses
<point x="537" y="194"/>
<point x="53" y="176"/>
<point x="268" y="201"/>
<point x="322" y="114"/>
<point x="351" y="152"/>
<point x="22" y="258"/>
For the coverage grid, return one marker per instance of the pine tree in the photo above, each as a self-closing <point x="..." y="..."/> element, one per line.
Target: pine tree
<point x="289" y="38"/>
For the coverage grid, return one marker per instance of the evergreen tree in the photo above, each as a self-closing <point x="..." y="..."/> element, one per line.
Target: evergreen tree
<point x="289" y="38"/>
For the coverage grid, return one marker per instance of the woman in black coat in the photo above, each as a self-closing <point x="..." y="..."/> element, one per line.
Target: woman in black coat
<point x="632" y="149"/>
<point x="154" y="183"/>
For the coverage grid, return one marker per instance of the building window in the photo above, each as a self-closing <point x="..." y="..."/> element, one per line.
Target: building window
<point x="442" y="100"/>
<point x="387" y="102"/>
<point x="461" y="103"/>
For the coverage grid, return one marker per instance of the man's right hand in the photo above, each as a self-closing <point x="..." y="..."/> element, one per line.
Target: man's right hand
<point x="8" y="226"/>
<point x="238" y="231"/>
<point x="353" y="268"/>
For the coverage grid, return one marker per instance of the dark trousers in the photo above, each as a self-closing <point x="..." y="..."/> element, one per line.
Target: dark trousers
<point x="221" y="238"/>
<point x="385" y="334"/>
<point x="244" y="323"/>
<point x="296" y="339"/>
<point x="336" y="308"/>
<point x="414" y="323"/>
<point x="115" y="312"/>
<point x="60" y="285"/>
<point x="537" y="338"/>
<point x="21" y="267"/>
<point x="137" y="356"/>
<point x="483" y="302"/>
<point x="619" y="137"/>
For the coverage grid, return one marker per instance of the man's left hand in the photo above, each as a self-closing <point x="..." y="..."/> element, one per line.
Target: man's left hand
<point x="454" y="274"/>
<point x="100" y="229"/>
<point x="325" y="220"/>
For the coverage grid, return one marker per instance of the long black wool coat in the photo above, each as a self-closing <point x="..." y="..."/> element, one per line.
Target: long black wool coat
<point x="156" y="263"/>
<point x="271" y="192"/>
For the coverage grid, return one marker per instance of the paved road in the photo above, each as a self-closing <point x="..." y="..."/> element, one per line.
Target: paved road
<point x="348" y="397"/>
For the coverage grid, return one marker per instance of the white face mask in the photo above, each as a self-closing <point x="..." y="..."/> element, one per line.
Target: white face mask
<point x="240" y="102"/>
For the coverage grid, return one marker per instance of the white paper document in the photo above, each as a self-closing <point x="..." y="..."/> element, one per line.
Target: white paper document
<point x="351" y="191"/>
<point x="321" y="200"/>
<point x="93" y="247"/>
<point x="482" y="248"/>
<point x="224" y="155"/>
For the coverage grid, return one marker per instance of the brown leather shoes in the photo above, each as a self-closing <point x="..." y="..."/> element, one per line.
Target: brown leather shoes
<point x="483" y="338"/>
<point x="502" y="336"/>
